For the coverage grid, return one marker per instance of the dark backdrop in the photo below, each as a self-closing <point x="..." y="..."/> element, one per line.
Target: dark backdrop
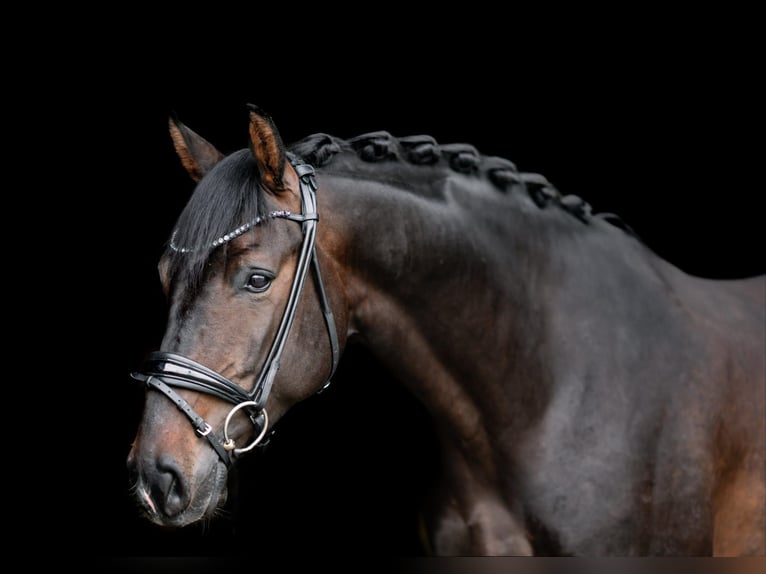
<point x="662" y="139"/>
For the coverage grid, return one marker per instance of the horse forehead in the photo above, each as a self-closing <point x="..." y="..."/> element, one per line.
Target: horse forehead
<point x="270" y="246"/>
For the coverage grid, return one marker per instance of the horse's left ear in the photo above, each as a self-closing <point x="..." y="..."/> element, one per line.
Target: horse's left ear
<point x="268" y="149"/>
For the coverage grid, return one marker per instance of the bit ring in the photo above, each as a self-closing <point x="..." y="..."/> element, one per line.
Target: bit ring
<point x="228" y="443"/>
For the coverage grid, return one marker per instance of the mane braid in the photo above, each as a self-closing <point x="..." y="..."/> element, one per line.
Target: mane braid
<point x="229" y="201"/>
<point x="375" y="147"/>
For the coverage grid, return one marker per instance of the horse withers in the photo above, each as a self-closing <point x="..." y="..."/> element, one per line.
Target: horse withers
<point x="589" y="397"/>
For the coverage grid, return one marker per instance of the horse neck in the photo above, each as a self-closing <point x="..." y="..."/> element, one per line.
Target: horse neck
<point x="445" y="288"/>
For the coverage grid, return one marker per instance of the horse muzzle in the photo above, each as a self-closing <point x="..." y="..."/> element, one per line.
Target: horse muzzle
<point x="170" y="495"/>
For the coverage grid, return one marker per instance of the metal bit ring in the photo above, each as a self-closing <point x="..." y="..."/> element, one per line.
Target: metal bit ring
<point x="228" y="443"/>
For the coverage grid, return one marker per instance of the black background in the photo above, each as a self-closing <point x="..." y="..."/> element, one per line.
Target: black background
<point x="656" y="125"/>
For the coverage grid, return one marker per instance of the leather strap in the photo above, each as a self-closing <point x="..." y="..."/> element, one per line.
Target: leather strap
<point x="329" y="320"/>
<point x="199" y="424"/>
<point x="180" y="371"/>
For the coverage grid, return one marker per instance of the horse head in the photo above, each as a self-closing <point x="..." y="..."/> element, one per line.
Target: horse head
<point x="244" y="340"/>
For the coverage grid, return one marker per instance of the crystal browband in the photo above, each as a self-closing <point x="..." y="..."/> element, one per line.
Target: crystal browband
<point x="281" y="214"/>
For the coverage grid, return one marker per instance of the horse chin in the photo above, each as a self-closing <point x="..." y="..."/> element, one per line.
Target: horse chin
<point x="209" y="495"/>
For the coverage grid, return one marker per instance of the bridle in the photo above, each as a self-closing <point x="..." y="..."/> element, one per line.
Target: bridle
<point x="162" y="370"/>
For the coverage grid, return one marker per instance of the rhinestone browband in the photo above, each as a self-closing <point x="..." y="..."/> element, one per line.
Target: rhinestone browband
<point x="232" y="234"/>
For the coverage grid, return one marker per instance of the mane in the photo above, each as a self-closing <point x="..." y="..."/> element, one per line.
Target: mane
<point x="210" y="213"/>
<point x="320" y="149"/>
<point x="228" y="196"/>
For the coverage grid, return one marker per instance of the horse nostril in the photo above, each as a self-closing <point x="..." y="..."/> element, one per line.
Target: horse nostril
<point x="169" y="489"/>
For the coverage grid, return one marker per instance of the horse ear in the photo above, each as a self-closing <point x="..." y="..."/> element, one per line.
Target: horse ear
<point x="268" y="149"/>
<point x="197" y="155"/>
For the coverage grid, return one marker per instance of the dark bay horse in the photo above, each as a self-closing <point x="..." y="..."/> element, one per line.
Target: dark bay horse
<point x="589" y="397"/>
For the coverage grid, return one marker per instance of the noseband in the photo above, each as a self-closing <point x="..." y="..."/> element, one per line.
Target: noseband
<point x="162" y="371"/>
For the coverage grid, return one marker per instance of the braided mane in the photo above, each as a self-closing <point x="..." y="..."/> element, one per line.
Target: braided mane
<point x="320" y="149"/>
<point x="210" y="213"/>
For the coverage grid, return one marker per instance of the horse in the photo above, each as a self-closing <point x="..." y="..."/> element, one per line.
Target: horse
<point x="589" y="397"/>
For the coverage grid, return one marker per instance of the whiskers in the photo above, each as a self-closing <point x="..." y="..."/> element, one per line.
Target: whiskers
<point x="209" y="523"/>
<point x="219" y="514"/>
<point x="135" y="494"/>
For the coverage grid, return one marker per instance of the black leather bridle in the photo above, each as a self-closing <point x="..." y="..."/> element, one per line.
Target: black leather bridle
<point x="162" y="370"/>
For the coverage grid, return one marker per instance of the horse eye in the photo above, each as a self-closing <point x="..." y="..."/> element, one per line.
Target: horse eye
<point x="258" y="282"/>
